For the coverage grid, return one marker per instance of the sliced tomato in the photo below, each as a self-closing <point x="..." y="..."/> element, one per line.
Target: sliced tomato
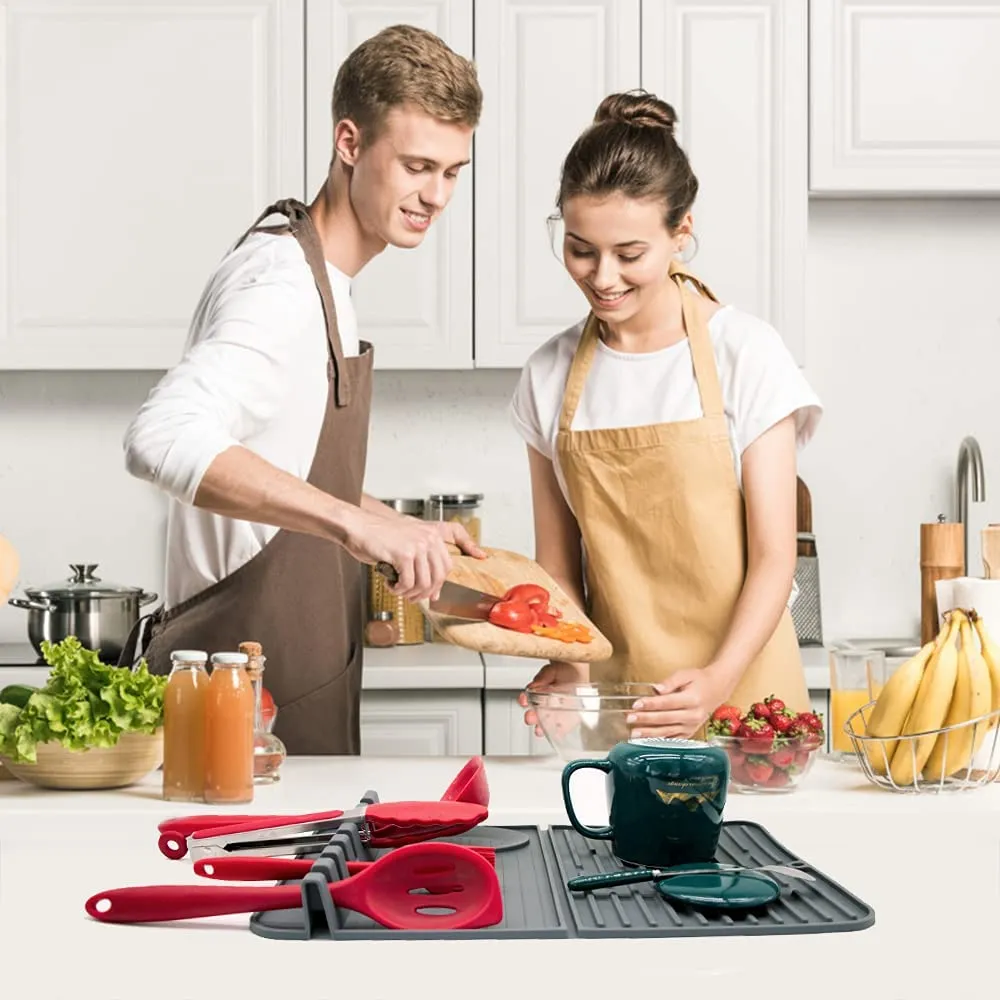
<point x="515" y="615"/>
<point x="529" y="593"/>
<point x="545" y="618"/>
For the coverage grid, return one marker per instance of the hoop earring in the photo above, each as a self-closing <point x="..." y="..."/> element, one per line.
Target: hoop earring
<point x="684" y="257"/>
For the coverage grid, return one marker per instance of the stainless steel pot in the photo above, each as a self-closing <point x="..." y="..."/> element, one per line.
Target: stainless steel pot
<point x="99" y="614"/>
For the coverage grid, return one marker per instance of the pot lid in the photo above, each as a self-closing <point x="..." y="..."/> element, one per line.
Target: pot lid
<point x="82" y="583"/>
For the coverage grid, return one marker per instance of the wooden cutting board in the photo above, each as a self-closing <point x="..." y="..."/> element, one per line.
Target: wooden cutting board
<point x="497" y="573"/>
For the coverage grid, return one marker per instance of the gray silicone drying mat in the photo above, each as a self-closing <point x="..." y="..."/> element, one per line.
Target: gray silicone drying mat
<point x="639" y="910"/>
<point x="537" y="903"/>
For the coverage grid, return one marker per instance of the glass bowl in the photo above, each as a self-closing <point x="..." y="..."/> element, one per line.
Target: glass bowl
<point x="586" y="719"/>
<point x="753" y="768"/>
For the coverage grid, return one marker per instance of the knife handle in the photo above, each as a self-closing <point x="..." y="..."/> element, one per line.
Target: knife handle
<point x="388" y="571"/>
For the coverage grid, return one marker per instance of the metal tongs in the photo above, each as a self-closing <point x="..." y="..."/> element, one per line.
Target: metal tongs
<point x="382" y="824"/>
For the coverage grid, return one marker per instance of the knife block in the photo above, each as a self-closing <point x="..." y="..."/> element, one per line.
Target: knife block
<point x="942" y="557"/>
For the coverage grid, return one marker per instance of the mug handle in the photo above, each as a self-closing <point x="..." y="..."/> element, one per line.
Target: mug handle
<point x="594" y="832"/>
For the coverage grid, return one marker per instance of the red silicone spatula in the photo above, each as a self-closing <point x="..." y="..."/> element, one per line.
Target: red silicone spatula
<point x="253" y="869"/>
<point x="470" y="784"/>
<point x="465" y="887"/>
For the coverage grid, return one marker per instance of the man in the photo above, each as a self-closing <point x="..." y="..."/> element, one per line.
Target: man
<point x="259" y="434"/>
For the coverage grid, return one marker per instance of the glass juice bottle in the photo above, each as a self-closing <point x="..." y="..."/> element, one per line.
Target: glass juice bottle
<point x="184" y="727"/>
<point x="268" y="751"/>
<point x="229" y="731"/>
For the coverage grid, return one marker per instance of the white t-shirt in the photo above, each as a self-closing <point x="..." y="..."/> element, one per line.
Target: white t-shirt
<point x="761" y="384"/>
<point x="254" y="373"/>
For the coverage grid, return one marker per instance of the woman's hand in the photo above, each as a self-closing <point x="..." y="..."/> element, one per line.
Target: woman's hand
<point x="557" y="672"/>
<point x="684" y="702"/>
<point x="455" y="533"/>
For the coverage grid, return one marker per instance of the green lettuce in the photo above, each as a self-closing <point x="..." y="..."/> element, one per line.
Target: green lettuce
<point x="85" y="703"/>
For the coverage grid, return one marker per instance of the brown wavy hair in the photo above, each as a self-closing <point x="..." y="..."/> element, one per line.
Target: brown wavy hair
<point x="402" y="65"/>
<point x="630" y="149"/>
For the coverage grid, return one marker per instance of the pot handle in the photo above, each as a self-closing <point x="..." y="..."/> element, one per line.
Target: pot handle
<point x="20" y="602"/>
<point x="145" y="598"/>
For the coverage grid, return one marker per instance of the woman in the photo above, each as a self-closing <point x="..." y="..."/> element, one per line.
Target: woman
<point x="662" y="436"/>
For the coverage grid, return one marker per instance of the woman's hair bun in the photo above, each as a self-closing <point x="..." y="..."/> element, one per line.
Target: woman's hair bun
<point x="637" y="108"/>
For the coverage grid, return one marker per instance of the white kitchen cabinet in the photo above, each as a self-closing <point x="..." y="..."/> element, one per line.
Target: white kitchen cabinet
<point x="735" y="71"/>
<point x="544" y="66"/>
<point x="504" y="731"/>
<point x="414" y="305"/>
<point x="140" y="140"/>
<point x="904" y="97"/>
<point x="423" y="723"/>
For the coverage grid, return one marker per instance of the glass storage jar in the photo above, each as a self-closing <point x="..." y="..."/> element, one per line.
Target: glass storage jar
<point x="462" y="507"/>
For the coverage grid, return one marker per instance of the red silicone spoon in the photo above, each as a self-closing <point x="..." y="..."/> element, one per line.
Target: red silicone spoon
<point x="256" y="869"/>
<point x="465" y="886"/>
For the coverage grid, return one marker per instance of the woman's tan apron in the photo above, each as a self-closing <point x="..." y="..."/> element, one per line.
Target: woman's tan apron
<point x="301" y="597"/>
<point x="664" y="532"/>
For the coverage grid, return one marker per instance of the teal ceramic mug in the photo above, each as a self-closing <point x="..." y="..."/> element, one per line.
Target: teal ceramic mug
<point x="665" y="800"/>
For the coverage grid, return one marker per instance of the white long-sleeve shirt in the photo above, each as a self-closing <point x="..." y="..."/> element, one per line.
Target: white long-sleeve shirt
<point x="253" y="373"/>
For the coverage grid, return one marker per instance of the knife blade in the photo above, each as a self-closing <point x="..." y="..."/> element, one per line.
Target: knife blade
<point x="457" y="601"/>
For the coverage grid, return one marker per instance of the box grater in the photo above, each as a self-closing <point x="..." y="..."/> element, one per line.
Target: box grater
<point x="806" y="609"/>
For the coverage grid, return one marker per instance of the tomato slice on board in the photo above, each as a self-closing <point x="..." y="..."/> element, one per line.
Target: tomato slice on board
<point x="515" y="615"/>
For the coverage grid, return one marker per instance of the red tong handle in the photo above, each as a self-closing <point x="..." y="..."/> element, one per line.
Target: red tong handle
<point x="395" y="824"/>
<point x="175" y="832"/>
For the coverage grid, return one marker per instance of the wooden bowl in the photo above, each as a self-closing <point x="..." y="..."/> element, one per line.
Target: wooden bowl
<point x="129" y="760"/>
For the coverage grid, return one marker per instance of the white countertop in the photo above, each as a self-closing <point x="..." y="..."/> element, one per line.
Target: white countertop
<point x="58" y="848"/>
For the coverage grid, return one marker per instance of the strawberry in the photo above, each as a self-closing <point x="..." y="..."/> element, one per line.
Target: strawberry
<point x="779" y="779"/>
<point x="801" y="758"/>
<point x="782" y="758"/>
<point x="726" y="712"/>
<point x="758" y="771"/>
<point x="757" y="735"/>
<point x="783" y="721"/>
<point x="723" y="727"/>
<point x="736" y="758"/>
<point x="774" y="704"/>
<point x="811" y="720"/>
<point x="760" y="710"/>
<point x="803" y="736"/>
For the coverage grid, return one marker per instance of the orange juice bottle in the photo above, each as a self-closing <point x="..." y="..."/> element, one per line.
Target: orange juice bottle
<point x="184" y="727"/>
<point x="229" y="731"/>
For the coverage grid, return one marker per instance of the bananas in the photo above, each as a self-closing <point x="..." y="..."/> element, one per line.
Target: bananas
<point x="950" y="681"/>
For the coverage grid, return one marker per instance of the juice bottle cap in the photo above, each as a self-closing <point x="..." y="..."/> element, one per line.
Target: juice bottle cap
<point x="188" y="656"/>
<point x="229" y="659"/>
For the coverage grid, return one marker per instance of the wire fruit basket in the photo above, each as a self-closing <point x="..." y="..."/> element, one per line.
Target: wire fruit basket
<point x="969" y="756"/>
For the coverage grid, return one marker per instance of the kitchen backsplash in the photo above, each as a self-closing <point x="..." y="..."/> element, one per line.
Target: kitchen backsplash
<point x="902" y="343"/>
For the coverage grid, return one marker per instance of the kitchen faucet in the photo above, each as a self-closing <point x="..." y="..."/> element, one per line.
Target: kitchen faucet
<point x="969" y="454"/>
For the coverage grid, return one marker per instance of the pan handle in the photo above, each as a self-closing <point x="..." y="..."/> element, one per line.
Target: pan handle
<point x="20" y="602"/>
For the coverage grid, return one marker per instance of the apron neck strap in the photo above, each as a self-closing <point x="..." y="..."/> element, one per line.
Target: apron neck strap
<point x="706" y="372"/>
<point x="300" y="225"/>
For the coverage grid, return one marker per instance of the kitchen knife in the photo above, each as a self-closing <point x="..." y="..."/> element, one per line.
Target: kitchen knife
<point x="457" y="601"/>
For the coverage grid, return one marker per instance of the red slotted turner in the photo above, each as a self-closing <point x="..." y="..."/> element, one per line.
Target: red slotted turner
<point x="465" y="888"/>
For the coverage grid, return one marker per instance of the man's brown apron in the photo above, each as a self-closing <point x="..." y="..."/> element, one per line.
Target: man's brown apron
<point x="301" y="597"/>
<point x="664" y="532"/>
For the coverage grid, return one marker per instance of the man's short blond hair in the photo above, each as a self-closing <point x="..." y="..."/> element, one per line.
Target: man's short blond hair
<point x="405" y="65"/>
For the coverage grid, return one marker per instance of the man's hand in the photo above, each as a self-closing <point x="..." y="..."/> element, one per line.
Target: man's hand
<point x="455" y="533"/>
<point x="684" y="702"/>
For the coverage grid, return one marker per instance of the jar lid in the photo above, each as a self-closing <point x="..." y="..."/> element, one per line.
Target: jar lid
<point x="457" y="499"/>
<point x="83" y="583"/>
<point x="188" y="656"/>
<point x="382" y="616"/>
<point x="229" y="659"/>
<point x="414" y="507"/>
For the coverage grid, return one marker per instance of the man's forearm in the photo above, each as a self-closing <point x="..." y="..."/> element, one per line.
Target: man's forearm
<point x="242" y="485"/>
<point x="375" y="506"/>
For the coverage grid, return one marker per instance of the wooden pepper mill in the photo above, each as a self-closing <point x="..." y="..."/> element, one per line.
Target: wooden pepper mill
<point x="942" y="557"/>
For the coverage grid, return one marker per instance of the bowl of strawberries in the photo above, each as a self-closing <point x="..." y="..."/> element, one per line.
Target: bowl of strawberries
<point x="770" y="747"/>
